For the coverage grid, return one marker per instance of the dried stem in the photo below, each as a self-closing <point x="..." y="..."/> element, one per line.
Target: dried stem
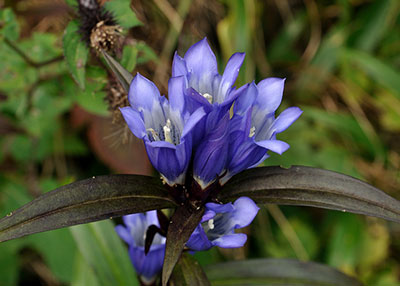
<point x="289" y="232"/>
<point x="170" y="42"/>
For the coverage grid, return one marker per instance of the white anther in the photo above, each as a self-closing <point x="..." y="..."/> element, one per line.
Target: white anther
<point x="154" y="134"/>
<point x="167" y="131"/>
<point x="211" y="224"/>
<point x="252" y="131"/>
<point x="208" y="97"/>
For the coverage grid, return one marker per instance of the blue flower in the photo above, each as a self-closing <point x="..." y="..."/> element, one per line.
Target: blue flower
<point x="206" y="87"/>
<point x="217" y="227"/>
<point x="150" y="265"/>
<point x="165" y="127"/>
<point x="253" y="127"/>
<point x="211" y="155"/>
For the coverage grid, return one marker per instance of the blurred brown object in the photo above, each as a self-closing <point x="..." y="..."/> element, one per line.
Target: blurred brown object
<point x="107" y="141"/>
<point x="42" y="15"/>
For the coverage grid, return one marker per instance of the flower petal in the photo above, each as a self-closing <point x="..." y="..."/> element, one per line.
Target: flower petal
<point x="246" y="99"/>
<point x="208" y="214"/>
<point x="220" y="208"/>
<point x="231" y="240"/>
<point x="284" y="120"/>
<point x="165" y="160"/>
<point x="151" y="218"/>
<point x="192" y="121"/>
<point x="270" y="92"/>
<point x="124" y="234"/>
<point x="178" y="66"/>
<point x="243" y="157"/>
<point x="176" y="89"/>
<point x="143" y="93"/>
<point x="136" y="222"/>
<point x="230" y="74"/>
<point x="198" y="240"/>
<point x="196" y="100"/>
<point x="211" y="155"/>
<point x="276" y="146"/>
<point x="245" y="211"/>
<point x="134" y="121"/>
<point x="200" y="59"/>
<point x="148" y="266"/>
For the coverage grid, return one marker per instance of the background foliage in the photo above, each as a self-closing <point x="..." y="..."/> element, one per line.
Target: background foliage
<point x="59" y="123"/>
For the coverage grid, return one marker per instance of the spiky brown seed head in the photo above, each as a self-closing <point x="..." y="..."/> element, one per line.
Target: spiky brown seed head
<point x="105" y="37"/>
<point x="97" y="26"/>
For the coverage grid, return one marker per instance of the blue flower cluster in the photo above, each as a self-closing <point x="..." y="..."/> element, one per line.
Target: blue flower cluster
<point x="205" y="132"/>
<point x="195" y="126"/>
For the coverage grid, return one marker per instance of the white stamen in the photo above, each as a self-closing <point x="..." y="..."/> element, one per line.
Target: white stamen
<point x="154" y="134"/>
<point x="208" y="97"/>
<point x="252" y="131"/>
<point x="211" y="224"/>
<point x="167" y="131"/>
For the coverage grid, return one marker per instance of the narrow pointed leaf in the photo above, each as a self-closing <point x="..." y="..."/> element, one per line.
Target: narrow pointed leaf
<point x="86" y="201"/>
<point x="182" y="225"/>
<point x="313" y="187"/>
<point x="124" y="77"/>
<point x="188" y="272"/>
<point x="275" y="271"/>
<point x="150" y="234"/>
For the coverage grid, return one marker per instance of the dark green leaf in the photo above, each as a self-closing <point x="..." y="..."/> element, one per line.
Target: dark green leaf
<point x="313" y="187"/>
<point x="120" y="73"/>
<point x="276" y="272"/>
<point x="86" y="201"/>
<point x="75" y="53"/>
<point x="182" y="225"/>
<point x="188" y="272"/>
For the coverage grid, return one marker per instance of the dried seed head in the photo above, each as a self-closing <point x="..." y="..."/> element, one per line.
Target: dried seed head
<point x="104" y="37"/>
<point x="96" y="25"/>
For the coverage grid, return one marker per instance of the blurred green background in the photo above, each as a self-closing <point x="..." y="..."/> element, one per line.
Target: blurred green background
<point x="341" y="62"/>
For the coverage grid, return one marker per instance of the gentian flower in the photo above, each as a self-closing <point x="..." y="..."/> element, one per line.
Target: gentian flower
<point x="253" y="127"/>
<point x="206" y="87"/>
<point x="211" y="156"/>
<point x="165" y="127"/>
<point x="134" y="234"/>
<point x="219" y="222"/>
<point x="195" y="124"/>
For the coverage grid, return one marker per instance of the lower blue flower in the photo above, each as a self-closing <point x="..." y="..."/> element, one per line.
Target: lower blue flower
<point x="217" y="227"/>
<point x="134" y="234"/>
